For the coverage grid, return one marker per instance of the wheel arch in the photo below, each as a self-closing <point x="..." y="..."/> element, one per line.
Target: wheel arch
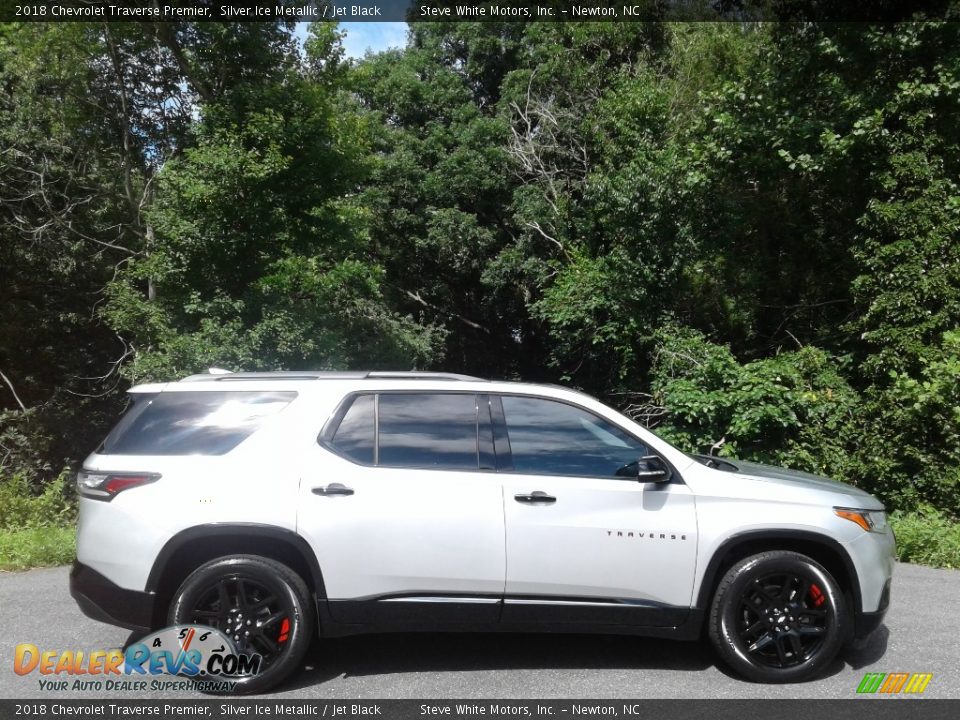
<point x="191" y="548"/>
<point x="817" y="546"/>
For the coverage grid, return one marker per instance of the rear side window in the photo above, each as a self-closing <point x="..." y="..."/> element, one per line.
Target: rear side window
<point x="410" y="430"/>
<point x="192" y="423"/>
<point x="355" y="436"/>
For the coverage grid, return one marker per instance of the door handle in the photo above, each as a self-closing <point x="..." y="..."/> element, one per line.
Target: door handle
<point x="333" y="489"/>
<point x="537" y="497"/>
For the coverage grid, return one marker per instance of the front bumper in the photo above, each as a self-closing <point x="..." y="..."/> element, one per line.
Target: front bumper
<point x="874" y="556"/>
<point x="866" y="622"/>
<point x="103" y="600"/>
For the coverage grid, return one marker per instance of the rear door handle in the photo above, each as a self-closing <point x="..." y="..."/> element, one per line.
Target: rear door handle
<point x="333" y="489"/>
<point x="537" y="497"/>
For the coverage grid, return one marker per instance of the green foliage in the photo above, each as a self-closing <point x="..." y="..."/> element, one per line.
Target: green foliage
<point x="20" y="508"/>
<point x="27" y="444"/>
<point x="36" y="528"/>
<point x="908" y="446"/>
<point x="927" y="537"/>
<point x="794" y="409"/>
<point x="901" y="442"/>
<point x="62" y="216"/>
<point x="260" y="256"/>
<point x="438" y="190"/>
<point x="37" y="547"/>
<point x="906" y="245"/>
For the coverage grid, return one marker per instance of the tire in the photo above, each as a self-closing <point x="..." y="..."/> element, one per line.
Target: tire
<point x="256" y="580"/>
<point x="796" y="643"/>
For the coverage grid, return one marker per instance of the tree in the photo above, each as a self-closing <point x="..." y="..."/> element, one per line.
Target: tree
<point x="260" y="253"/>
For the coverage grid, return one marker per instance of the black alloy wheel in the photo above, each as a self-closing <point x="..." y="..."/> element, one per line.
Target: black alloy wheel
<point x="783" y="619"/>
<point x="778" y="617"/>
<point x="244" y="609"/>
<point x="260" y="604"/>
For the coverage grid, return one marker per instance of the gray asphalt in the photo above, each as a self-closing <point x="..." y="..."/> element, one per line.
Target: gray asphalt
<point x="920" y="635"/>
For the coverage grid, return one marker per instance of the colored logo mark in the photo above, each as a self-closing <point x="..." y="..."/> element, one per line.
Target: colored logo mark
<point x="893" y="683"/>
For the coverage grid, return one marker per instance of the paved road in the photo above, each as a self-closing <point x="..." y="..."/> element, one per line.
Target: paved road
<point x="920" y="635"/>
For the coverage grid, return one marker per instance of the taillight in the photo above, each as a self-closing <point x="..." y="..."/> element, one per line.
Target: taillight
<point x="106" y="486"/>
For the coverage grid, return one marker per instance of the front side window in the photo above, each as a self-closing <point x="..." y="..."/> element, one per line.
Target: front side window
<point x="427" y="430"/>
<point x="192" y="423"/>
<point x="553" y="438"/>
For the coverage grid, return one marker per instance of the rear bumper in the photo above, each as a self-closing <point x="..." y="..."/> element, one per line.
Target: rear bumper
<point x="107" y="602"/>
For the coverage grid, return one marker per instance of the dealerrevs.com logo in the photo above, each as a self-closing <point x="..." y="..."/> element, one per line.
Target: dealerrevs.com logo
<point x="205" y="657"/>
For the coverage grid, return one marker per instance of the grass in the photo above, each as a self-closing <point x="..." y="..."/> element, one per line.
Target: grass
<point x="37" y="547"/>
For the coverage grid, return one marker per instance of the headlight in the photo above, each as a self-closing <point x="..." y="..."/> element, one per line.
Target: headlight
<point x="869" y="520"/>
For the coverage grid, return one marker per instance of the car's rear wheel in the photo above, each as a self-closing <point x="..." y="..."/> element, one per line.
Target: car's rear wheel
<point x="778" y="617"/>
<point x="261" y="604"/>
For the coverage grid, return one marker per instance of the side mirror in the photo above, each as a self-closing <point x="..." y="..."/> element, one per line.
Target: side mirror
<point x="652" y="469"/>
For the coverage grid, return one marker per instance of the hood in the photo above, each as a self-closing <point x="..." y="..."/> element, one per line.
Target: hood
<point x="789" y="478"/>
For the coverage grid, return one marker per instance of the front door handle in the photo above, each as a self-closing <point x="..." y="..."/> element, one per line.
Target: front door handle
<point x="537" y="497"/>
<point x="333" y="489"/>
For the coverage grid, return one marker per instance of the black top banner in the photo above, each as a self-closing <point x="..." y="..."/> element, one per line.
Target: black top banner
<point x="473" y="11"/>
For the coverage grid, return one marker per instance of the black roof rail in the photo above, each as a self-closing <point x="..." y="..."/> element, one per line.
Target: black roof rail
<point x="227" y="376"/>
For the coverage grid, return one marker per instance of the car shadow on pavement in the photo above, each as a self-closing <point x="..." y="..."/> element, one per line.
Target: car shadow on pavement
<point x="392" y="653"/>
<point x="364" y="655"/>
<point x="866" y="652"/>
<point x="456" y="652"/>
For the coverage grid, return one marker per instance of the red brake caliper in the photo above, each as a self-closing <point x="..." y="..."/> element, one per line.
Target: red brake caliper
<point x="284" y="630"/>
<point x="816" y="595"/>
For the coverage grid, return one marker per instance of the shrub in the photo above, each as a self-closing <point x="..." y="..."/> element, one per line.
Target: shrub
<point x="21" y="509"/>
<point x="927" y="537"/>
<point x="898" y="439"/>
<point x="793" y="409"/>
<point x="907" y="445"/>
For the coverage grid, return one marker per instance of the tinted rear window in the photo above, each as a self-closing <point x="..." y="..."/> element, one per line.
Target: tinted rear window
<point x="355" y="435"/>
<point x="192" y="423"/>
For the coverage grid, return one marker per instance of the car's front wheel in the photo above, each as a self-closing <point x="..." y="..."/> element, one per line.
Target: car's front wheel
<point x="778" y="617"/>
<point x="263" y="606"/>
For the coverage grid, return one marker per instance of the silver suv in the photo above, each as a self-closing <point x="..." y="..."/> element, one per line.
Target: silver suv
<point x="279" y="506"/>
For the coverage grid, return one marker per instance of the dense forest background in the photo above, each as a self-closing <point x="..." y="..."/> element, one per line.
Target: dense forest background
<point x="746" y="236"/>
